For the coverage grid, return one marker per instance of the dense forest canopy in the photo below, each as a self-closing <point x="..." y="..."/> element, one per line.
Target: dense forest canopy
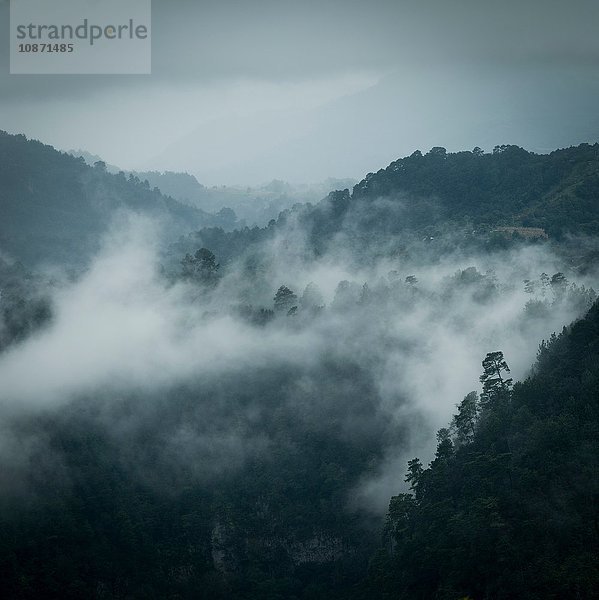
<point x="229" y="414"/>
<point x="480" y="199"/>
<point x="508" y="506"/>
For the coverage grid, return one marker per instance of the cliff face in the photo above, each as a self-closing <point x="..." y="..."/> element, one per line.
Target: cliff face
<point x="229" y="551"/>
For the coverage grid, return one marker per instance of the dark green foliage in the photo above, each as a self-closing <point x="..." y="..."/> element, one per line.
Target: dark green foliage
<point x="105" y="513"/>
<point x="24" y="306"/>
<point x="495" y="385"/>
<point x="464" y="421"/>
<point x="511" y="511"/>
<point x="55" y="208"/>
<point x="510" y="186"/>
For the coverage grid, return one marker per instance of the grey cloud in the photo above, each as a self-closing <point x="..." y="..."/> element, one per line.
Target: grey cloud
<point x="464" y="73"/>
<point x="198" y="42"/>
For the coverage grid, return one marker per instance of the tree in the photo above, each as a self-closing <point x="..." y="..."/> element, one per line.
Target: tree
<point x="415" y="471"/>
<point x="559" y="285"/>
<point x="494" y="384"/>
<point x="399" y="518"/>
<point x="312" y="298"/>
<point x="226" y="218"/>
<point x="491" y="522"/>
<point x="464" y="422"/>
<point x="444" y="444"/>
<point x="285" y="301"/>
<point x="438" y="151"/>
<point x="201" y="267"/>
<point x="347" y="295"/>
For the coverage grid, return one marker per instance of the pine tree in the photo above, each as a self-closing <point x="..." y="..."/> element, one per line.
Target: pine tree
<point x="285" y="301"/>
<point x="494" y="384"/>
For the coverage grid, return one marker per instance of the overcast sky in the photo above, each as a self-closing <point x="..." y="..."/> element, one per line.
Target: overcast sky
<point x="243" y="92"/>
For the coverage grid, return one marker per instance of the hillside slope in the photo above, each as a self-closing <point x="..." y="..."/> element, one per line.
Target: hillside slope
<point x="54" y="207"/>
<point x="556" y="191"/>
<point x="438" y="195"/>
<point x="509" y="506"/>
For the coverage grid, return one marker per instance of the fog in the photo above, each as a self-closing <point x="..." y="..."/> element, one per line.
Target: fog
<point x="186" y="367"/>
<point x="119" y="328"/>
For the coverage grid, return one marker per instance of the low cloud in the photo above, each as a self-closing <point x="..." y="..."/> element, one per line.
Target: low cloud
<point x="381" y="364"/>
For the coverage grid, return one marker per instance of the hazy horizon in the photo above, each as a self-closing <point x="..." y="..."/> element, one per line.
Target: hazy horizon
<point x="245" y="94"/>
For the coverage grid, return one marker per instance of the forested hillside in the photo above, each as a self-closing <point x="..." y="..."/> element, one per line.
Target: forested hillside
<point x="55" y="207"/>
<point x="465" y="196"/>
<point x="510" y="186"/>
<point x="230" y="417"/>
<point x="509" y="506"/>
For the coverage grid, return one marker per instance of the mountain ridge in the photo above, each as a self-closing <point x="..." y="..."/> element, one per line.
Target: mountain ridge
<point x="55" y="208"/>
